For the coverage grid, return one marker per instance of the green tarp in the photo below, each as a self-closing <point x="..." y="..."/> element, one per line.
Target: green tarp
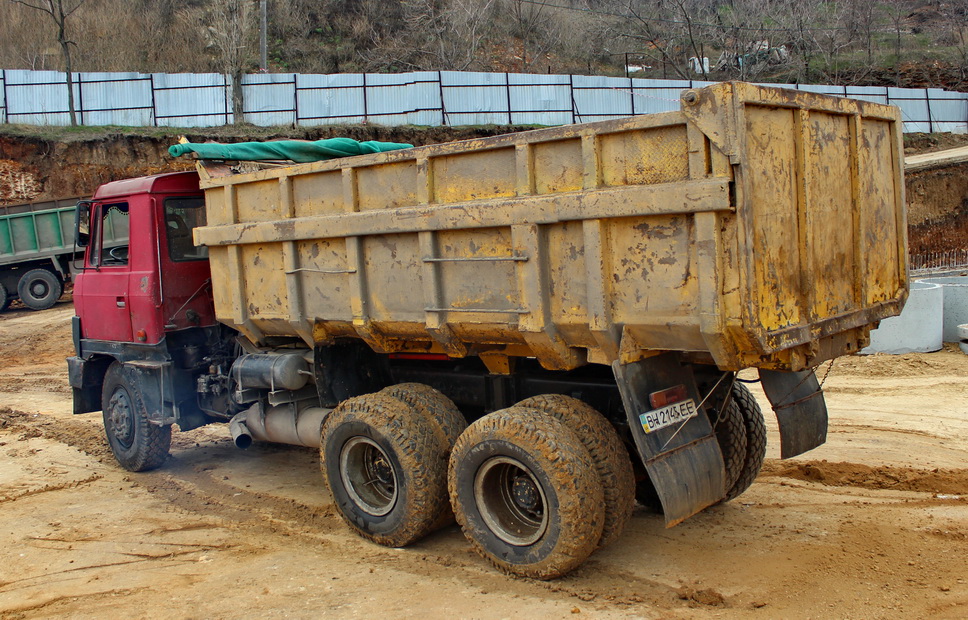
<point x="296" y="150"/>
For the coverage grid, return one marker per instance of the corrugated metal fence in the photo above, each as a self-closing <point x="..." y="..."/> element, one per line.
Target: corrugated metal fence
<point x="420" y="98"/>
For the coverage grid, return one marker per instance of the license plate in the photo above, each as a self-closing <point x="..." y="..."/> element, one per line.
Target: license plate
<point x="668" y="415"/>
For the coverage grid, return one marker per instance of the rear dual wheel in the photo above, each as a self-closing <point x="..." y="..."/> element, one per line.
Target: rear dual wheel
<point x="754" y="430"/>
<point x="609" y="456"/>
<point x="4" y="298"/>
<point x="385" y="461"/>
<point x="526" y="493"/>
<point x="741" y="433"/>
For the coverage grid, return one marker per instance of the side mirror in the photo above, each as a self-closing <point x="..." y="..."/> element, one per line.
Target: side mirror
<point x="82" y="224"/>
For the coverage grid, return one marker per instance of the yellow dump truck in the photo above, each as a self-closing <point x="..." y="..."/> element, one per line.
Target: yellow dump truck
<point x="488" y="329"/>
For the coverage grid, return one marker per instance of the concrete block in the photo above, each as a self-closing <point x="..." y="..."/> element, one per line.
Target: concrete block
<point x="955" y="304"/>
<point x="919" y="326"/>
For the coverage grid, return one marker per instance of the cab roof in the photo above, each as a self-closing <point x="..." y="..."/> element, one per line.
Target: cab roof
<point x="157" y="183"/>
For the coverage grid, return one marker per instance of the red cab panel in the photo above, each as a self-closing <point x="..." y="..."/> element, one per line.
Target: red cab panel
<point x="142" y="274"/>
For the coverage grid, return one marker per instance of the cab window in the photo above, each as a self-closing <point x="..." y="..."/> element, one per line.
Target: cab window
<point x="111" y="235"/>
<point x="182" y="216"/>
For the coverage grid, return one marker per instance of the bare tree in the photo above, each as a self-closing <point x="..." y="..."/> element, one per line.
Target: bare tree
<point x="60" y="11"/>
<point x="231" y="29"/>
<point x="536" y="26"/>
<point x="666" y="30"/>
<point x="955" y="15"/>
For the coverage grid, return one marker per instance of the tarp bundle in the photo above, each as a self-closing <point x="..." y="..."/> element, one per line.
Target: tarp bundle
<point x="299" y="151"/>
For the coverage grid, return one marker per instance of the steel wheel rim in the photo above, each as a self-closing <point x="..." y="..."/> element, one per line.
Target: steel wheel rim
<point x="511" y="501"/>
<point x="368" y="476"/>
<point x="38" y="288"/>
<point x="121" y="416"/>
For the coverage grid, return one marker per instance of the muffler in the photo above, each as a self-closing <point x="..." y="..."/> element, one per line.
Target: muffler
<point x="295" y="424"/>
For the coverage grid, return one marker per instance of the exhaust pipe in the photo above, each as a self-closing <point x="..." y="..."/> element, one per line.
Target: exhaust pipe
<point x="240" y="432"/>
<point x="293" y="423"/>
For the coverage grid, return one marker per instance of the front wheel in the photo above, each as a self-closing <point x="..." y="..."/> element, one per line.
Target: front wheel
<point x="526" y="493"/>
<point x="137" y="444"/>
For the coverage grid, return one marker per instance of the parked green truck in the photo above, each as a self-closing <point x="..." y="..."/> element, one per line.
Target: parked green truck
<point x="37" y="249"/>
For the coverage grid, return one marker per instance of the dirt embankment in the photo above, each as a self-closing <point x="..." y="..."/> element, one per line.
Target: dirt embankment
<point x="33" y="167"/>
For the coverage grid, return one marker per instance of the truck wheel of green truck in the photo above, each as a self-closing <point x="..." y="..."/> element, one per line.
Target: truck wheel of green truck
<point x="526" y="493"/>
<point x="39" y="289"/>
<point x="386" y="468"/>
<point x="4" y="298"/>
<point x="608" y="453"/>
<point x="137" y="444"/>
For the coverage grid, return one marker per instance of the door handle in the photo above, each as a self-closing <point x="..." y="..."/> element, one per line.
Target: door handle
<point x="121" y="302"/>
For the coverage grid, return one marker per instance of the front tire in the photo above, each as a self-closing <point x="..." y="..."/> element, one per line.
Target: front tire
<point x="526" y="493"/>
<point x="39" y="289"/>
<point x="137" y="444"/>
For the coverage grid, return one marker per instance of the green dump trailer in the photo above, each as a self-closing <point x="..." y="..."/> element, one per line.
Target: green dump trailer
<point x="37" y="249"/>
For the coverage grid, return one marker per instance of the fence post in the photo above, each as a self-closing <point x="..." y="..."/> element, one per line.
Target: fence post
<point x="631" y="98"/>
<point x="6" y="100"/>
<point x="927" y="103"/>
<point x="571" y="94"/>
<point x="295" y="100"/>
<point x="366" y="113"/>
<point x="507" y="91"/>
<point x="440" y="90"/>
<point x="154" y="102"/>
<point x="80" y="97"/>
<point x="225" y="98"/>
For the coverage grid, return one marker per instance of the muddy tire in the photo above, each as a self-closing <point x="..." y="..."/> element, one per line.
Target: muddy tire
<point x="755" y="440"/>
<point x="526" y="493"/>
<point x="608" y="453"/>
<point x="137" y="444"/>
<point x="729" y="425"/>
<point x="39" y="289"/>
<point x="384" y="465"/>
<point x="4" y="297"/>
<point x="443" y="415"/>
<point x="441" y="411"/>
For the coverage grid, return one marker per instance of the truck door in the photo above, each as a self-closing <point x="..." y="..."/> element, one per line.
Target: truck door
<point x="105" y="282"/>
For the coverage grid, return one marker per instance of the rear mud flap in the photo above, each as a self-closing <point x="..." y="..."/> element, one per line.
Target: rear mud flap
<point x="683" y="460"/>
<point x="801" y="411"/>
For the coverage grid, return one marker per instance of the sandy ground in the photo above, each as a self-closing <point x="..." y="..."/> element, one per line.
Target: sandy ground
<point x="874" y="524"/>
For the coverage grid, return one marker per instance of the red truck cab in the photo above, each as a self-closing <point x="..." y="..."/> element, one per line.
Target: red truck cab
<point x="145" y="327"/>
<point x="139" y="292"/>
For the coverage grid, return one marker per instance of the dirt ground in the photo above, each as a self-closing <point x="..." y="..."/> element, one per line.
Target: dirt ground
<point x="874" y="524"/>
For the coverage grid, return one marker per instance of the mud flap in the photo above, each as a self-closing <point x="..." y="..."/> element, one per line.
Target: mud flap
<point x="152" y="384"/>
<point x="801" y="411"/>
<point x="683" y="460"/>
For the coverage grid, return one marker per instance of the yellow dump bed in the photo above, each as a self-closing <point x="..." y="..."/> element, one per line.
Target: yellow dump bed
<point x="755" y="227"/>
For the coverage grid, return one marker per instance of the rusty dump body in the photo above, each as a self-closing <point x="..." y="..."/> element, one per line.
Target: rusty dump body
<point x="756" y="227"/>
